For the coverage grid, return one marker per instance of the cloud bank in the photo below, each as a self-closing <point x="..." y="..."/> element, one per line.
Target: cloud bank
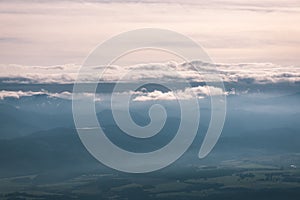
<point x="62" y="95"/>
<point x="19" y="94"/>
<point x="258" y="73"/>
<point x="142" y="95"/>
<point x="186" y="94"/>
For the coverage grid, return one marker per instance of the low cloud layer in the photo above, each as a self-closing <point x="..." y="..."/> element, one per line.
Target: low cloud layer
<point x="19" y="94"/>
<point x="259" y="73"/>
<point x="38" y="74"/>
<point x="186" y="94"/>
<point x="142" y="95"/>
<point x="62" y="95"/>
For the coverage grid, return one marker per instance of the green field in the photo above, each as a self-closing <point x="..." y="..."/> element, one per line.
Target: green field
<point x="234" y="179"/>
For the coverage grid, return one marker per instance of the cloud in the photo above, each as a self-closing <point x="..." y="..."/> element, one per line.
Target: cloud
<point x="18" y="94"/>
<point x="38" y="74"/>
<point x="186" y="94"/>
<point x="62" y="95"/>
<point x="141" y="95"/>
<point x="258" y="73"/>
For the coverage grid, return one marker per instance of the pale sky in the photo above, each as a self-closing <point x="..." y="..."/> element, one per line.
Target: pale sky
<point x="64" y="32"/>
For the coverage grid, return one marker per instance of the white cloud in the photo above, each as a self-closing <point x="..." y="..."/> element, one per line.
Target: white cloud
<point x="18" y="94"/>
<point x="62" y="95"/>
<point x="38" y="74"/>
<point x="186" y="94"/>
<point x="142" y="95"/>
<point x="252" y="72"/>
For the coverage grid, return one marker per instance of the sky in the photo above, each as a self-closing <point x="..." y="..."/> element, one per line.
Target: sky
<point x="47" y="33"/>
